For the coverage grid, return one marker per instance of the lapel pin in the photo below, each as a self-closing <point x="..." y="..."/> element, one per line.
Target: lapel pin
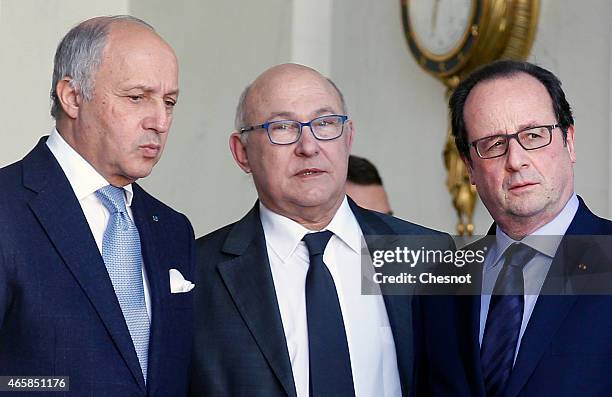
<point x="155" y="218"/>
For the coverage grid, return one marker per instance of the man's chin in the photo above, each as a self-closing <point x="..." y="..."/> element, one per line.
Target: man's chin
<point x="314" y="199"/>
<point x="526" y="209"/>
<point x="134" y="175"/>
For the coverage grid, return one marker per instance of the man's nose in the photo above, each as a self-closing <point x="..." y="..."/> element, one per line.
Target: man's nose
<point x="159" y="118"/>
<point x="516" y="157"/>
<point x="307" y="145"/>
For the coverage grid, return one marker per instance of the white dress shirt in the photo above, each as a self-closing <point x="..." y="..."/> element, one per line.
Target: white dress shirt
<point x="368" y="333"/>
<point x="534" y="272"/>
<point x="85" y="180"/>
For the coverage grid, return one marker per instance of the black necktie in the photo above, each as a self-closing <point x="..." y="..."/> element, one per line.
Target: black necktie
<point x="503" y="326"/>
<point x="330" y="363"/>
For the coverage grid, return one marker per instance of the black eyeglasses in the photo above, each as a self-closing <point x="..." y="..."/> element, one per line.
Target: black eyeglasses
<point x="286" y="132"/>
<point x="530" y="138"/>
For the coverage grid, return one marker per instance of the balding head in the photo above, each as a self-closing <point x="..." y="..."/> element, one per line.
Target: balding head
<point x="284" y="73"/>
<point x="300" y="175"/>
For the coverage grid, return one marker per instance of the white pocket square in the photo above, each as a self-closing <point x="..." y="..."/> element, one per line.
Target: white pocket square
<point x="178" y="284"/>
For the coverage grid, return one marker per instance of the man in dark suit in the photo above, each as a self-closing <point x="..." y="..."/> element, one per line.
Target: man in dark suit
<point x="279" y="305"/>
<point x="540" y="325"/>
<point x="94" y="270"/>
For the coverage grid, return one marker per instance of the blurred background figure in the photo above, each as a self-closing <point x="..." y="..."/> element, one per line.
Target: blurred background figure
<point x="365" y="186"/>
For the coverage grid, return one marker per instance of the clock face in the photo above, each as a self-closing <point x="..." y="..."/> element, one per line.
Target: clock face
<point x="441" y="33"/>
<point x="440" y="26"/>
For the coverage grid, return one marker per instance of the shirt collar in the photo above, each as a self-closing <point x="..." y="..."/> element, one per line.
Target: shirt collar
<point x="284" y="235"/>
<point x="345" y="226"/>
<point x="553" y="232"/>
<point x="83" y="177"/>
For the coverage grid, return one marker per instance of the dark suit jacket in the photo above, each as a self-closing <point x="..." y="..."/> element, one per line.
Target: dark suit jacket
<point x="58" y="311"/>
<point x="567" y="346"/>
<point x="240" y="346"/>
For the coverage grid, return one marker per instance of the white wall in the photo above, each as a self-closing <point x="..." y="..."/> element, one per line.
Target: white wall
<point x="574" y="42"/>
<point x="399" y="111"/>
<point x="30" y="30"/>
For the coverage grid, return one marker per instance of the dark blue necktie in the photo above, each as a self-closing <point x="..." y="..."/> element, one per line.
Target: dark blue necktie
<point x="503" y="326"/>
<point x="330" y="363"/>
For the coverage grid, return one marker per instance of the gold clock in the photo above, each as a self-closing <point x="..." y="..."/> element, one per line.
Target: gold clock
<point x="452" y="38"/>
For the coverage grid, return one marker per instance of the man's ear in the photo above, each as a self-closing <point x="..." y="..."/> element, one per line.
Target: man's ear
<point x="350" y="132"/>
<point x="69" y="97"/>
<point x="239" y="152"/>
<point x="569" y="143"/>
<point x="468" y="167"/>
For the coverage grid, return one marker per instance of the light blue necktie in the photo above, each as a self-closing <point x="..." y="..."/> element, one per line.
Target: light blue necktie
<point x="123" y="260"/>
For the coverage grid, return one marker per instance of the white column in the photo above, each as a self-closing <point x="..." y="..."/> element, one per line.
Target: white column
<point x="311" y="34"/>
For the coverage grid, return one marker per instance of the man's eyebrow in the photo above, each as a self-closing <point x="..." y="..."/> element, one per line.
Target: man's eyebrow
<point x="528" y="125"/>
<point x="521" y="127"/>
<point x="283" y="115"/>
<point x="141" y="87"/>
<point x="292" y="116"/>
<point x="324" y="110"/>
<point x="148" y="88"/>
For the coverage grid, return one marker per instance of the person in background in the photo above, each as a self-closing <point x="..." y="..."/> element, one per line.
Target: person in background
<point x="365" y="186"/>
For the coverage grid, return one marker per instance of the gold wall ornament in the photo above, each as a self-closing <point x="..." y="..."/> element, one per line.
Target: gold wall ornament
<point x="463" y="193"/>
<point x="452" y="38"/>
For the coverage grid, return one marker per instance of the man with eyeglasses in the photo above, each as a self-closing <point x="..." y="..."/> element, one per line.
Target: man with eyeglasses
<point x="536" y="328"/>
<point x="279" y="309"/>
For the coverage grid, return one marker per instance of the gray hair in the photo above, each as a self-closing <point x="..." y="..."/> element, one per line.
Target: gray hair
<point x="79" y="55"/>
<point x="241" y="110"/>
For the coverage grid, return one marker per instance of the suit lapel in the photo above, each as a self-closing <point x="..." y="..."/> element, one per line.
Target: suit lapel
<point x="248" y="279"/>
<point x="473" y="300"/>
<point x="60" y="215"/>
<point x="399" y="307"/>
<point x="156" y="278"/>
<point x="467" y="316"/>
<point x="472" y="349"/>
<point x="551" y="310"/>
<point x="399" y="311"/>
<point x="547" y="316"/>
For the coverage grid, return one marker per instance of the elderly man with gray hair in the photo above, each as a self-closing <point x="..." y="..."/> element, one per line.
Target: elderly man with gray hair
<point x="94" y="298"/>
